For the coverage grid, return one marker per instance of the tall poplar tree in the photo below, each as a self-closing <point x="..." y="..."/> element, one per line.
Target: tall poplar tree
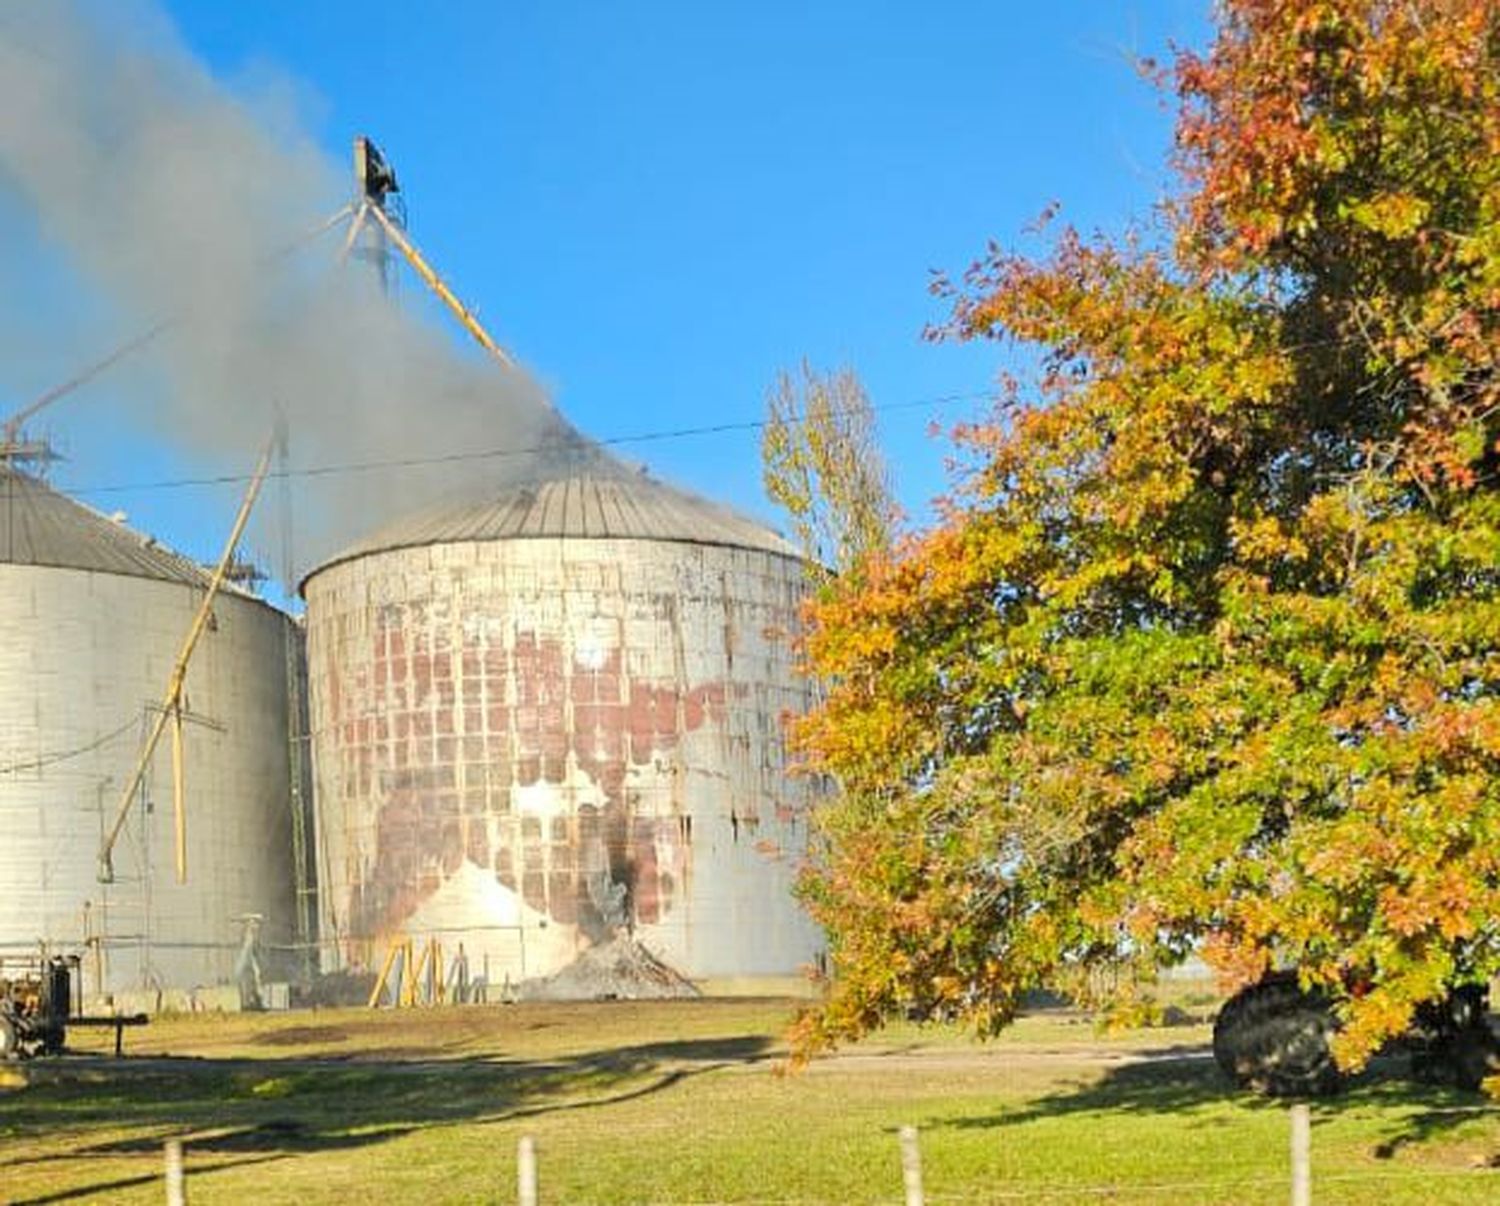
<point x="821" y="463"/>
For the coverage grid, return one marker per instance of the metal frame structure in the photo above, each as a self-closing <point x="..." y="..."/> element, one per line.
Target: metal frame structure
<point x="171" y="708"/>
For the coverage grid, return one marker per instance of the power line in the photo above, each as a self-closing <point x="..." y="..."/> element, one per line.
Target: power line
<point x="41" y="761"/>
<point x="644" y="437"/>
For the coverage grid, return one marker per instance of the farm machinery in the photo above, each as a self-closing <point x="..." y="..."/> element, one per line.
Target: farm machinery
<point x="37" y="1007"/>
<point x="35" y="1002"/>
<point x="1275" y="1037"/>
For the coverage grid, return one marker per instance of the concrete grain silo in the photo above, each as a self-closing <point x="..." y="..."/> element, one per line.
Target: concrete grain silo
<point x="554" y="718"/>
<point x="92" y="616"/>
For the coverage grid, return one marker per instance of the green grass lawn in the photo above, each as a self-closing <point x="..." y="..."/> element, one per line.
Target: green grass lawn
<point x="684" y="1102"/>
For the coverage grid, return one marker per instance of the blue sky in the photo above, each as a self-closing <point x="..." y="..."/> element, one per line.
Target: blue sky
<point x="658" y="205"/>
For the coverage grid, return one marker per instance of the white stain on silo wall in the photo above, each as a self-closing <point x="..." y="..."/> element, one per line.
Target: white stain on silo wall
<point x="593" y="723"/>
<point x="83" y="654"/>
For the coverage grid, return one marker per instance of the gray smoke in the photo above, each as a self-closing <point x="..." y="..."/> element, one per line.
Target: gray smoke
<point x="166" y="194"/>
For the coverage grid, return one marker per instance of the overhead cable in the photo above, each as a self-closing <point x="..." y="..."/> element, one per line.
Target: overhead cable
<point x="484" y="454"/>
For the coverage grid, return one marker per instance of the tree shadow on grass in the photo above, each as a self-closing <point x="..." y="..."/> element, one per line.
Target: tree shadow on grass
<point x="257" y="1110"/>
<point x="1177" y="1081"/>
<point x="1188" y="1086"/>
<point x="134" y="1182"/>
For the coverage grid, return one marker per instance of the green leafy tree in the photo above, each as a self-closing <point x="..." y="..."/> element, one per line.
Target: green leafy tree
<point x="822" y="464"/>
<point x="1205" y="653"/>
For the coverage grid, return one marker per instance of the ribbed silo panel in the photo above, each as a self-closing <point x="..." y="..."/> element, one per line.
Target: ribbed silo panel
<point x="84" y="658"/>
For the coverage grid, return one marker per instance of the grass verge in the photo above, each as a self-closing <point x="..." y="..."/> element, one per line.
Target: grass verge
<point x="682" y="1102"/>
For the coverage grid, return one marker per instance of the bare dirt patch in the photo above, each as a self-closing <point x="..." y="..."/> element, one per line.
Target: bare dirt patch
<point x="301" y="1036"/>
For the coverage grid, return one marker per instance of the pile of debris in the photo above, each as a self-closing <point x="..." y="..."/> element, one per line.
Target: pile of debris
<point x="618" y="970"/>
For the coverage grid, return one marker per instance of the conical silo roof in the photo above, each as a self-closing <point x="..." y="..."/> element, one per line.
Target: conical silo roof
<point x="592" y="504"/>
<point x="40" y="526"/>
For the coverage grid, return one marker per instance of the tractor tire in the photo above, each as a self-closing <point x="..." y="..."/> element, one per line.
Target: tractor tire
<point x="1275" y="1038"/>
<point x="1474" y="1056"/>
<point x="1463" y="1058"/>
<point x="1451" y="1041"/>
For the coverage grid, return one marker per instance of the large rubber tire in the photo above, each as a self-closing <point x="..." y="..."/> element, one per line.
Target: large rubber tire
<point x="1463" y="1058"/>
<point x="1451" y="1042"/>
<point x="1275" y="1038"/>
<point x="1475" y="1058"/>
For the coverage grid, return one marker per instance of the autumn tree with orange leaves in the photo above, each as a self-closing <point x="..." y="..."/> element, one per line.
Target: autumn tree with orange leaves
<point x="1204" y="656"/>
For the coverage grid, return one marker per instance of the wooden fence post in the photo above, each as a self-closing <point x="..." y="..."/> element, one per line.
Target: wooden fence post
<point x="911" y="1166"/>
<point x="176" y="1191"/>
<point x="1301" y="1155"/>
<point x="526" y="1171"/>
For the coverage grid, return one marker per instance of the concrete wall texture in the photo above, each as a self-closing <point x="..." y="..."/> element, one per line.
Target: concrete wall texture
<point x="531" y="745"/>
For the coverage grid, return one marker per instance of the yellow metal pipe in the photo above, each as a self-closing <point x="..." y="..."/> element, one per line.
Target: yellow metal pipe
<point x="179" y="804"/>
<point x="408" y="996"/>
<point x="418" y="988"/>
<point x="385" y="974"/>
<point x="171" y="702"/>
<point x="437" y="285"/>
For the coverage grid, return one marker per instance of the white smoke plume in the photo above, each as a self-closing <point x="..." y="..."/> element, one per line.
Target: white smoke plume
<point x="165" y="194"/>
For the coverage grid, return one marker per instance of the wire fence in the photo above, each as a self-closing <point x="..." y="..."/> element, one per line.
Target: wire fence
<point x="907" y="1182"/>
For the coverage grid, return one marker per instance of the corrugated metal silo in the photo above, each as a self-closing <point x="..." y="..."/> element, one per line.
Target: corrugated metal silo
<point x="92" y="616"/>
<point x="555" y="717"/>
